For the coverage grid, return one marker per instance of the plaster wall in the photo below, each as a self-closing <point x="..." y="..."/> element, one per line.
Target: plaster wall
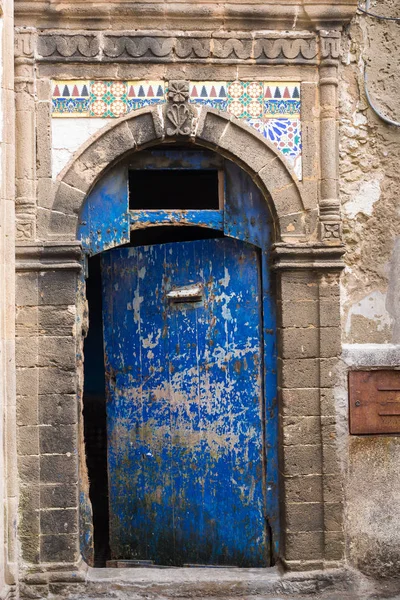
<point x="369" y="188"/>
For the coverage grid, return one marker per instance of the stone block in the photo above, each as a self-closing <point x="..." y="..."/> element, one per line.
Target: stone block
<point x="27" y="410"/>
<point x="58" y="409"/>
<point x="287" y="200"/>
<point x="58" y="439"/>
<point x="304" y="516"/>
<point x="59" y="548"/>
<point x="328" y="372"/>
<point x="26" y="352"/>
<point x="29" y="549"/>
<point x="27" y="381"/>
<point x="334" y="545"/>
<point x="304" y="488"/>
<point x="211" y="127"/>
<point x="299" y="342"/>
<point x="333" y="516"/>
<point x="302" y="460"/>
<point x="298" y="314"/>
<point x="26" y="289"/>
<point x="43" y="139"/>
<point x="56" y="224"/>
<point x="276" y="177"/>
<point x="301" y="430"/>
<point x="330" y="460"/>
<point x="54" y="521"/>
<point x="28" y="525"/>
<point x="28" y="469"/>
<point x="330" y="342"/>
<point x="28" y="440"/>
<point x="329" y="288"/>
<point x="57" y="351"/>
<point x="296" y="287"/>
<point x="58" y="469"/>
<point x="300" y="402"/>
<point x="292" y="226"/>
<point x="304" y="545"/>
<point x="57" y="287"/>
<point x="299" y="373"/>
<point x="58" y="495"/>
<point x="248" y="148"/>
<point x="310" y="147"/>
<point x="26" y="321"/>
<point x="98" y="156"/>
<point x="44" y="89"/>
<point x="57" y="321"/>
<point x="68" y="200"/>
<point x="329" y="313"/>
<point x="327" y="402"/>
<point x="144" y="128"/>
<point x="333" y="489"/>
<point x="56" y="381"/>
<point x="46" y="192"/>
<point x="328" y="429"/>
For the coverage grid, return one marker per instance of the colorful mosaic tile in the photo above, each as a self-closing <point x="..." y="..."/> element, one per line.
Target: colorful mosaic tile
<point x="209" y="93"/>
<point x="272" y="108"/>
<point x="104" y="99"/>
<point x="71" y="98"/>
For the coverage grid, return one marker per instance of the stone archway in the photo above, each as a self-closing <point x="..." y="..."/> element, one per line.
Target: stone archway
<point x="214" y="129"/>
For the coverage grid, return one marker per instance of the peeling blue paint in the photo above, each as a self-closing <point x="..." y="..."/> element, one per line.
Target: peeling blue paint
<point x="104" y="223"/>
<point x="185" y="404"/>
<point x="213" y="219"/>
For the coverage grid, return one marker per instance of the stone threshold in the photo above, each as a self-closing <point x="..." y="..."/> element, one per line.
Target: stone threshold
<point x="203" y="582"/>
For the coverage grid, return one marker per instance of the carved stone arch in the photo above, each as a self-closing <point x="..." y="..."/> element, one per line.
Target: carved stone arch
<point x="213" y="129"/>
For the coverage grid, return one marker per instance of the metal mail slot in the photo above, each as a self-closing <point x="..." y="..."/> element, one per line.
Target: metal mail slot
<point x="192" y="293"/>
<point x="374" y="398"/>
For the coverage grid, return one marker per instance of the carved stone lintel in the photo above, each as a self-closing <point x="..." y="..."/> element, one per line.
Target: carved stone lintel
<point x="178" y="113"/>
<point x="194" y="47"/>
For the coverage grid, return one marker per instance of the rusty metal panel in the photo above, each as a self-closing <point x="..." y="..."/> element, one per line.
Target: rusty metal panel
<point x="185" y="403"/>
<point x="374" y="398"/>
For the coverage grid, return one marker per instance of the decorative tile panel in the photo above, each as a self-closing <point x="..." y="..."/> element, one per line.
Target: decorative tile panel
<point x="104" y="98"/>
<point x="271" y="107"/>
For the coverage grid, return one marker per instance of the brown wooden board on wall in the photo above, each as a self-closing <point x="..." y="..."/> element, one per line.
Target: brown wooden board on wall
<point x="374" y="398"/>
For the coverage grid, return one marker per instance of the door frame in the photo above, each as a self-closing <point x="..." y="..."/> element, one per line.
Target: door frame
<point x="244" y="215"/>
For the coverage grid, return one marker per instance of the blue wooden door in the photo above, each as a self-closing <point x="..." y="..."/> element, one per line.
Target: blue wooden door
<point x="183" y="352"/>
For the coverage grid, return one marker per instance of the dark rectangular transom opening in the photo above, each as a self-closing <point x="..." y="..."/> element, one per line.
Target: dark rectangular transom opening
<point x="186" y="189"/>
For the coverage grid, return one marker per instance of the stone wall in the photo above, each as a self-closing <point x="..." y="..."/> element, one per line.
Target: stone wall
<point x="369" y="188"/>
<point x="8" y="475"/>
<point x="48" y="342"/>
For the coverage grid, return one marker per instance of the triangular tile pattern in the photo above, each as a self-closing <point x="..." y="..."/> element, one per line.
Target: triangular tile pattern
<point x="271" y="107"/>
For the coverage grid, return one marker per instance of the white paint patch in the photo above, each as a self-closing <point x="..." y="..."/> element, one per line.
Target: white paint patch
<point x="363" y="202"/>
<point x="372" y="307"/>
<point x="68" y="135"/>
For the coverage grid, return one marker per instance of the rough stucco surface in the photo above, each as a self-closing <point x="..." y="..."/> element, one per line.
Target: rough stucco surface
<point x="370" y="178"/>
<point x="369" y="188"/>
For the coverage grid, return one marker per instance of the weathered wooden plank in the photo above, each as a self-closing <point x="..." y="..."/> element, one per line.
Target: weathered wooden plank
<point x="213" y="219"/>
<point x="247" y="218"/>
<point x="199" y="420"/>
<point x="104" y="220"/>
